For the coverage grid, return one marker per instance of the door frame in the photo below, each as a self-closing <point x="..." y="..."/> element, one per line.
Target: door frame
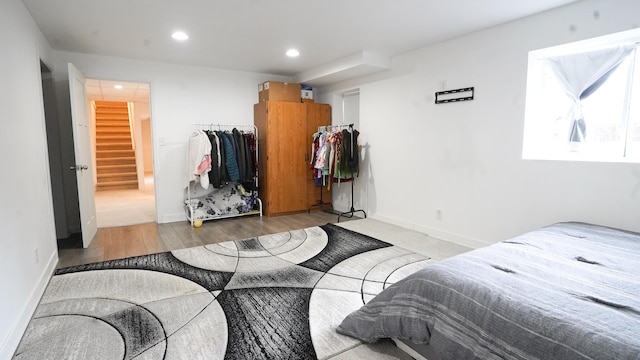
<point x="139" y="141"/>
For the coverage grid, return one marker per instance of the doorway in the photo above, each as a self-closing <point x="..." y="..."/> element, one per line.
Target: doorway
<point x="65" y="238"/>
<point x="125" y="192"/>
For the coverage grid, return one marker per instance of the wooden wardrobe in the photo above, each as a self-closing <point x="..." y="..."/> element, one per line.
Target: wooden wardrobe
<point x="285" y="132"/>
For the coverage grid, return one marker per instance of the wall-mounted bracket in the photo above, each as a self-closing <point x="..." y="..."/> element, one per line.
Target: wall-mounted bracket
<point x="448" y="96"/>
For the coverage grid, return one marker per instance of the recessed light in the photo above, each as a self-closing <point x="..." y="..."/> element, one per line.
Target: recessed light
<point x="119" y="87"/>
<point x="293" y="53"/>
<point x="180" y="35"/>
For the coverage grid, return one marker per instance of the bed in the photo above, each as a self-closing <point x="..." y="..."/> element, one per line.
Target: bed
<point x="566" y="291"/>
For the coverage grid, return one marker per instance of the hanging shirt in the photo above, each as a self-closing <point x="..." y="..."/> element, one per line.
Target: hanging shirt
<point x="224" y="175"/>
<point x="321" y="153"/>
<point x="199" y="158"/>
<point x="214" y="174"/>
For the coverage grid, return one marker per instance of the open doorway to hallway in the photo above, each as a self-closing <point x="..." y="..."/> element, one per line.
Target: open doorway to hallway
<point x="122" y="155"/>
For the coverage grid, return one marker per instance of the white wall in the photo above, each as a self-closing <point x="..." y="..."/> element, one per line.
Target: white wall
<point x="26" y="209"/>
<point x="141" y="114"/>
<point x="179" y="96"/>
<point x="465" y="158"/>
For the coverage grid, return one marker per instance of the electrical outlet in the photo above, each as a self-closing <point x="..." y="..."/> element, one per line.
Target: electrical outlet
<point x="438" y="214"/>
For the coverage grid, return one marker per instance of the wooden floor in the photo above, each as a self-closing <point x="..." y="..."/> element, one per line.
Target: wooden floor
<point x="126" y="241"/>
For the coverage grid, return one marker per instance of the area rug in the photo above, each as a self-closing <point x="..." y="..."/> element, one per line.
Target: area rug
<point x="272" y="297"/>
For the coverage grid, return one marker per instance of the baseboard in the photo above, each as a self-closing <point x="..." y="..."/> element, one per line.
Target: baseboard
<point x="394" y="221"/>
<point x="12" y="341"/>
<point x="454" y="238"/>
<point x="433" y="232"/>
<point x="172" y="218"/>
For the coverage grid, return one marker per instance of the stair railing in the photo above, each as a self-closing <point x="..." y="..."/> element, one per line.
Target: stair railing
<point x="131" y="125"/>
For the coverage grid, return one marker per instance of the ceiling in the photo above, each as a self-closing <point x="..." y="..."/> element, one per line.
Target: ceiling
<point x="107" y="90"/>
<point x="337" y="39"/>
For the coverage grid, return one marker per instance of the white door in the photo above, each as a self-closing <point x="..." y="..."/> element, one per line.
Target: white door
<point x="82" y="148"/>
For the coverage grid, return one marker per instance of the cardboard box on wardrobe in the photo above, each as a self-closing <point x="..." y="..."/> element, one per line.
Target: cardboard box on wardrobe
<point x="306" y="93"/>
<point x="279" y="91"/>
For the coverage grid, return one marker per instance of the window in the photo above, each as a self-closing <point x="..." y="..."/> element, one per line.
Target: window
<point x="583" y="101"/>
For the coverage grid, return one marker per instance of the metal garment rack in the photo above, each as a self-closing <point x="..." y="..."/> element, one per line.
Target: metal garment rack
<point x="227" y="127"/>
<point x="321" y="203"/>
<point x="352" y="211"/>
<point x="348" y="214"/>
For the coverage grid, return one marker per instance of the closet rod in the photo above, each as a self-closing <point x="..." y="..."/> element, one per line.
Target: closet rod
<point x="325" y="128"/>
<point x="220" y="127"/>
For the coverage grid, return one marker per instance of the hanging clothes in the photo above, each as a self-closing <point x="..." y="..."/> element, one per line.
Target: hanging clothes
<point x="314" y="156"/>
<point x="214" y="174"/>
<point x="348" y="166"/>
<point x="336" y="146"/>
<point x="320" y="161"/>
<point x="336" y="156"/>
<point x="230" y="157"/>
<point x="248" y="160"/>
<point x="238" y="142"/>
<point x="252" y="161"/>
<point x="224" y="175"/>
<point x="232" y="152"/>
<point x="199" y="158"/>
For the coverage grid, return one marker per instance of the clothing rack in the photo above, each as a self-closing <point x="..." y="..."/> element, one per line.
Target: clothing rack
<point x="325" y="129"/>
<point x="244" y="128"/>
<point x="351" y="211"/>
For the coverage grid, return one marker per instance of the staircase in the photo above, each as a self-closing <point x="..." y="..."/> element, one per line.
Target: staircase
<point x="115" y="156"/>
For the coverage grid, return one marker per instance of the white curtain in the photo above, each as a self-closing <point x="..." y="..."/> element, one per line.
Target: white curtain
<point x="582" y="74"/>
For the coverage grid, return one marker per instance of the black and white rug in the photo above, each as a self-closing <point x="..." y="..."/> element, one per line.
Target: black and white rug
<point x="273" y="297"/>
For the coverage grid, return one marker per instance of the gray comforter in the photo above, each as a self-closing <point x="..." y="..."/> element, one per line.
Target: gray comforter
<point x="567" y="291"/>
